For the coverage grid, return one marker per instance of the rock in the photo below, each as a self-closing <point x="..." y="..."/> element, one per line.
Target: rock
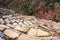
<point x="22" y="24"/>
<point x="27" y="37"/>
<point x="27" y="18"/>
<point x="1" y="34"/>
<point x="34" y="25"/>
<point x="7" y="16"/>
<point x="35" y="20"/>
<point x="1" y="38"/>
<point x="47" y="23"/>
<point x="26" y="23"/>
<point x="23" y="29"/>
<point x="42" y="33"/>
<point x="1" y="28"/>
<point x="10" y="25"/>
<point x="11" y="33"/>
<point x="55" y="38"/>
<point x="37" y="32"/>
<point x="7" y="20"/>
<point x="29" y="22"/>
<point x="4" y="26"/>
<point x="23" y="37"/>
<point x="56" y="26"/>
<point x="14" y="23"/>
<point x="32" y="32"/>
<point x="1" y="21"/>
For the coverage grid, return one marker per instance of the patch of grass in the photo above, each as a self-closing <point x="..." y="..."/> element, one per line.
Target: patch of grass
<point x="30" y="7"/>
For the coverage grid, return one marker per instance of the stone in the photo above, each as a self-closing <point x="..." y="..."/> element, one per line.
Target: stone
<point x="10" y="25"/>
<point x="47" y="38"/>
<point x="22" y="24"/>
<point x="42" y="33"/>
<point x="7" y="16"/>
<point x="27" y="37"/>
<point x="42" y="26"/>
<point x="7" y="21"/>
<point x="56" y="26"/>
<point x="32" y="32"/>
<point x="4" y="26"/>
<point x="29" y="22"/>
<point x="23" y="29"/>
<point x="1" y="28"/>
<point x="33" y="25"/>
<point x="55" y="38"/>
<point x="34" y="20"/>
<point x="47" y="23"/>
<point x="27" y="18"/>
<point x="26" y="23"/>
<point x="14" y="23"/>
<point x="1" y="34"/>
<point x="11" y="33"/>
<point x="1" y="38"/>
<point x="24" y="37"/>
<point x="1" y="21"/>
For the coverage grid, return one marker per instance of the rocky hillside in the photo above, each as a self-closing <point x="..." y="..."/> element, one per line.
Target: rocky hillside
<point x="23" y="27"/>
<point x="28" y="27"/>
